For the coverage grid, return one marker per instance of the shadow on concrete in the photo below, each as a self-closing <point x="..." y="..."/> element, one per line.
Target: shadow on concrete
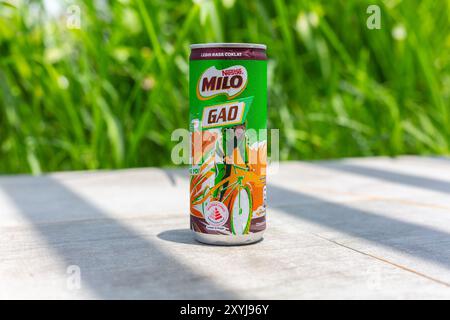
<point x="390" y="176"/>
<point x="409" y="238"/>
<point x="116" y="262"/>
<point x="184" y="236"/>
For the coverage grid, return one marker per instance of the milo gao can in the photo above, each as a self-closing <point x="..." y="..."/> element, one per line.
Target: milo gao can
<point x="228" y="130"/>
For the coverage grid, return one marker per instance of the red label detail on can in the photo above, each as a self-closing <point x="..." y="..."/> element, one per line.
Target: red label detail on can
<point x="216" y="214"/>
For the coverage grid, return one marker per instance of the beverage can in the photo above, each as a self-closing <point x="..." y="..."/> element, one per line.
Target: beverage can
<point x="228" y="130"/>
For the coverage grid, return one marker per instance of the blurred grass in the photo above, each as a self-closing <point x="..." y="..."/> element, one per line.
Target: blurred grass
<point x="109" y="94"/>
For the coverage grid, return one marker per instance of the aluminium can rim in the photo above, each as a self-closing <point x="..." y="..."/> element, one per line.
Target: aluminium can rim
<point x="228" y="45"/>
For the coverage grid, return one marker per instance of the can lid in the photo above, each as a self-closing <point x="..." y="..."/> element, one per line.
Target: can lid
<point x="228" y="45"/>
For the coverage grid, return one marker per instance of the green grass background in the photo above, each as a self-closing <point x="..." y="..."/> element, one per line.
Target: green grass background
<point x="110" y="94"/>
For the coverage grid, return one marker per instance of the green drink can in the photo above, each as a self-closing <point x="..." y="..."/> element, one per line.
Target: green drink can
<point x="228" y="130"/>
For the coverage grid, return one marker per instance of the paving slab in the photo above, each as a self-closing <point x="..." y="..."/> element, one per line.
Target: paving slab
<point x="371" y="228"/>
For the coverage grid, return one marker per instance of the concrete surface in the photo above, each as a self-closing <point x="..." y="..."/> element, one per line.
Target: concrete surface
<point x="357" y="228"/>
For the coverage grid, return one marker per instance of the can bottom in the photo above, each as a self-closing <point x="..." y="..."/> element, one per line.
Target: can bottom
<point x="228" y="240"/>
